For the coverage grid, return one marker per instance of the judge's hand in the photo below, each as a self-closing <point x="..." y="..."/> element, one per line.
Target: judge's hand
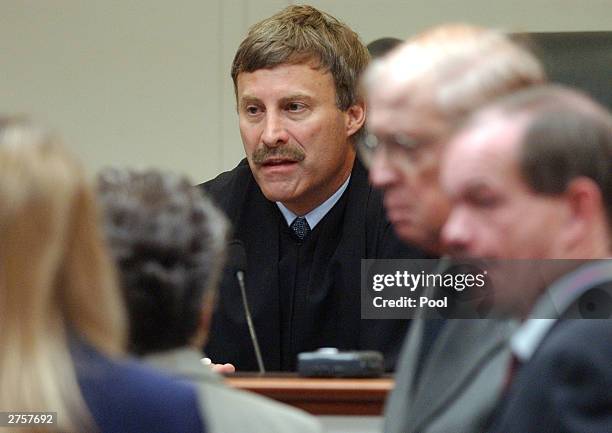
<point x="219" y="368"/>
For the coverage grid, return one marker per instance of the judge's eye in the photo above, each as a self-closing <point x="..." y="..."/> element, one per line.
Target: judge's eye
<point x="295" y="107"/>
<point x="252" y="110"/>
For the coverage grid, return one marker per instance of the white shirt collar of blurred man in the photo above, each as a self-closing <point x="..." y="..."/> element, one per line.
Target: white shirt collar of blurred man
<point x="554" y="302"/>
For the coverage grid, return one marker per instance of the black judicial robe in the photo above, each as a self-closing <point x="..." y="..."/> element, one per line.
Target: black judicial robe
<point x="302" y="296"/>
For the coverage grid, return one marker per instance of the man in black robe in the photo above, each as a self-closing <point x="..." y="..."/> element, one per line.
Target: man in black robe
<point x="300" y="202"/>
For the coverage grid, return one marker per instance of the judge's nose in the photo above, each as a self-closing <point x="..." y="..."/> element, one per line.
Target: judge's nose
<point x="275" y="132"/>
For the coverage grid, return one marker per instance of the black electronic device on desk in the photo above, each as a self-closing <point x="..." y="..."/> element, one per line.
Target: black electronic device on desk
<point x="330" y="362"/>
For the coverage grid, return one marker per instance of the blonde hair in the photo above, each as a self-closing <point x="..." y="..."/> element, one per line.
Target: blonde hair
<point x="56" y="276"/>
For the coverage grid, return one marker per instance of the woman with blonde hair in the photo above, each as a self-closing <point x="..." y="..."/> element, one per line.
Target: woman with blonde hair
<point x="62" y="324"/>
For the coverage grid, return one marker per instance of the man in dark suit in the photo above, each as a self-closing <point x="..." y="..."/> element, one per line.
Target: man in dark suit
<point x="530" y="177"/>
<point x="300" y="202"/>
<point x="450" y="374"/>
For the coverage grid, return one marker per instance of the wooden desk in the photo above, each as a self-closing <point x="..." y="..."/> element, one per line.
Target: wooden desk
<point x="320" y="396"/>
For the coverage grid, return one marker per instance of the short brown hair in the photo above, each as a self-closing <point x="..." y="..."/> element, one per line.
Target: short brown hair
<point x="566" y="135"/>
<point x="301" y="34"/>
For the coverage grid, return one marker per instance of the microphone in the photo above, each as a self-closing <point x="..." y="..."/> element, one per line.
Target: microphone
<point x="238" y="264"/>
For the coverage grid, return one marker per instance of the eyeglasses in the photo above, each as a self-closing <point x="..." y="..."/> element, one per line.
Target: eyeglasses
<point x="397" y="147"/>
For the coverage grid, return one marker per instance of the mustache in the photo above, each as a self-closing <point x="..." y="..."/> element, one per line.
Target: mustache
<point x="292" y="153"/>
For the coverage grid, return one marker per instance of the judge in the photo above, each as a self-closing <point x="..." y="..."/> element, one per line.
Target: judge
<point x="300" y="202"/>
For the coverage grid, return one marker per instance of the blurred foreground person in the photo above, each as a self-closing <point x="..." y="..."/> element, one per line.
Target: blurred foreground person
<point x="169" y="242"/>
<point x="61" y="316"/>
<point x="451" y="373"/>
<point x="531" y="178"/>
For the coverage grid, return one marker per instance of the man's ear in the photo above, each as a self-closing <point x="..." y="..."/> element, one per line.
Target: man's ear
<point x="585" y="205"/>
<point x="355" y="117"/>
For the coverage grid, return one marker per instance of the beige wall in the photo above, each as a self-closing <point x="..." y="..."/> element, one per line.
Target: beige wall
<point x="146" y="83"/>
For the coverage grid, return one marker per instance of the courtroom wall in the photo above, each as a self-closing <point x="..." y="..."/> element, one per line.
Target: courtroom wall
<point x="146" y="83"/>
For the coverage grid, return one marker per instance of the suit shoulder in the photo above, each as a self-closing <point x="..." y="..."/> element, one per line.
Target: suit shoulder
<point x="565" y="385"/>
<point x="228" y="179"/>
<point x="142" y="399"/>
<point x="577" y="338"/>
<point x="575" y="361"/>
<point x="229" y="188"/>
<point x="257" y="414"/>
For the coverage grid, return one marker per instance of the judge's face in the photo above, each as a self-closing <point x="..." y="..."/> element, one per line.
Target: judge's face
<point x="296" y="139"/>
<point x="408" y="135"/>
<point x="495" y="213"/>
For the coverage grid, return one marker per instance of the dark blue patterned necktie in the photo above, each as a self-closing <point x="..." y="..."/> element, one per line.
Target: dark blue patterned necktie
<point x="300" y="228"/>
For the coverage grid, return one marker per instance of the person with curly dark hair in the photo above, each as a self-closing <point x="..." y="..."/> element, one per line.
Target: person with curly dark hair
<point x="168" y="240"/>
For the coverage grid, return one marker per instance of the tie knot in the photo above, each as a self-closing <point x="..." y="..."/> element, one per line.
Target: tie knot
<point x="300" y="228"/>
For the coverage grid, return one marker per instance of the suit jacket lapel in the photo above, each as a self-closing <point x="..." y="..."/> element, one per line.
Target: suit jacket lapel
<point x="410" y="356"/>
<point x="440" y="384"/>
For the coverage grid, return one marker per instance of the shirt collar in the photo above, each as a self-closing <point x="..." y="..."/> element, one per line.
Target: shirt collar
<point x="557" y="299"/>
<point x="314" y="216"/>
